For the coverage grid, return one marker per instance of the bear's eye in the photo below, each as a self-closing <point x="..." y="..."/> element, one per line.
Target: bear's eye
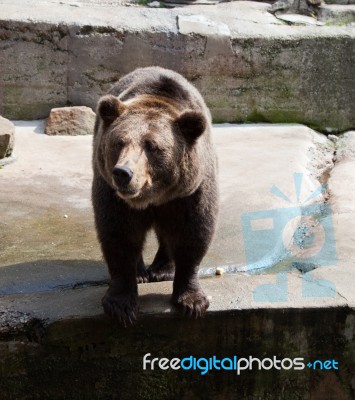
<point x="119" y="144"/>
<point x="151" y="147"/>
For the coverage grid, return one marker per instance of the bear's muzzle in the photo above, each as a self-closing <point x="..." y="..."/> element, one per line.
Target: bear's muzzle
<point x="122" y="175"/>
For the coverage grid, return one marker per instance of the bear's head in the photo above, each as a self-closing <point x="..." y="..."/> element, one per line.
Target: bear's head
<point x="147" y="150"/>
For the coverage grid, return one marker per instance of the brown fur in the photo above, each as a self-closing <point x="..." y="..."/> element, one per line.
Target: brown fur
<point x="154" y="167"/>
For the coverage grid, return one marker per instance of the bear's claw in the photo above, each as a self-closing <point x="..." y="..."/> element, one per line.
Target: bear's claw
<point x="142" y="275"/>
<point x="122" y="306"/>
<point x="191" y="303"/>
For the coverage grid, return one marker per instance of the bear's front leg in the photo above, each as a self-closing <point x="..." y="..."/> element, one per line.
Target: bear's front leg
<point x="120" y="300"/>
<point x="189" y="233"/>
<point x="188" y="297"/>
<point x="121" y="232"/>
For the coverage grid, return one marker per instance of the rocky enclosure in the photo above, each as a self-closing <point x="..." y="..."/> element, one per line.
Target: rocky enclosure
<point x="248" y="64"/>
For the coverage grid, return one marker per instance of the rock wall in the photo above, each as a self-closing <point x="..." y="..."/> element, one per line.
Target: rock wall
<point x="251" y="67"/>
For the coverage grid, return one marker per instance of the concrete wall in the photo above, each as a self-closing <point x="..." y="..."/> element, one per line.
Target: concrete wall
<point x="247" y="71"/>
<point x="97" y="359"/>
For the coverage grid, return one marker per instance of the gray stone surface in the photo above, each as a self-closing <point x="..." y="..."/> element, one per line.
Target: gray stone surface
<point x="295" y="6"/>
<point x="70" y="121"/>
<point x="50" y="180"/>
<point x="60" y="176"/>
<point x="200" y="25"/>
<point x="337" y="14"/>
<point x="7" y="137"/>
<point x="340" y="2"/>
<point x="56" y="242"/>
<point x="264" y="70"/>
<point x="342" y="190"/>
<point x="298" y="19"/>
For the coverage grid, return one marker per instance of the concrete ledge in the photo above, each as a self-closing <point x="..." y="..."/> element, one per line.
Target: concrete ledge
<point x="59" y="340"/>
<point x="93" y="357"/>
<point x="249" y="65"/>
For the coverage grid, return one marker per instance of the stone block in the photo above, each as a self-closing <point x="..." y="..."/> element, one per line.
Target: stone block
<point x="7" y="137"/>
<point x="71" y="121"/>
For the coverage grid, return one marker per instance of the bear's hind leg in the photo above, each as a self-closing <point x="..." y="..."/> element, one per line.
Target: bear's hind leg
<point x="162" y="268"/>
<point x="142" y="272"/>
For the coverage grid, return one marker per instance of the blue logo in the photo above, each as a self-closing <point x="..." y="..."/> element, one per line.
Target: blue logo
<point x="297" y="237"/>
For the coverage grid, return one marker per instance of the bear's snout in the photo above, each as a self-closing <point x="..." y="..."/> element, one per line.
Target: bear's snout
<point x="122" y="175"/>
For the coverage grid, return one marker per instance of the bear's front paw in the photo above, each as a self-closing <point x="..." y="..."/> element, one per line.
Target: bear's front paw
<point x="121" y="305"/>
<point x="191" y="303"/>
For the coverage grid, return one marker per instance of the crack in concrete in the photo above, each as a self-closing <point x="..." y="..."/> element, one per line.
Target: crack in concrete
<point x="318" y="282"/>
<point x="343" y="297"/>
<point x="81" y="285"/>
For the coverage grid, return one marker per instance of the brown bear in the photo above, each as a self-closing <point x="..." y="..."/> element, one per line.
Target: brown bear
<point x="154" y="167"/>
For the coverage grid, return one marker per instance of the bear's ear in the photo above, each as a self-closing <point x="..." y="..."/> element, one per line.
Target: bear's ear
<point x="192" y="124"/>
<point x="110" y="108"/>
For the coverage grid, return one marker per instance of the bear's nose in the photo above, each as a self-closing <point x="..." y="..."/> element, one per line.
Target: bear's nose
<point x="122" y="175"/>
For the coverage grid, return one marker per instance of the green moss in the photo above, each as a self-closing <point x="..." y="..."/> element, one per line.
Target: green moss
<point x="287" y="117"/>
<point x="256" y="116"/>
<point x="143" y="2"/>
<point x="86" y="30"/>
